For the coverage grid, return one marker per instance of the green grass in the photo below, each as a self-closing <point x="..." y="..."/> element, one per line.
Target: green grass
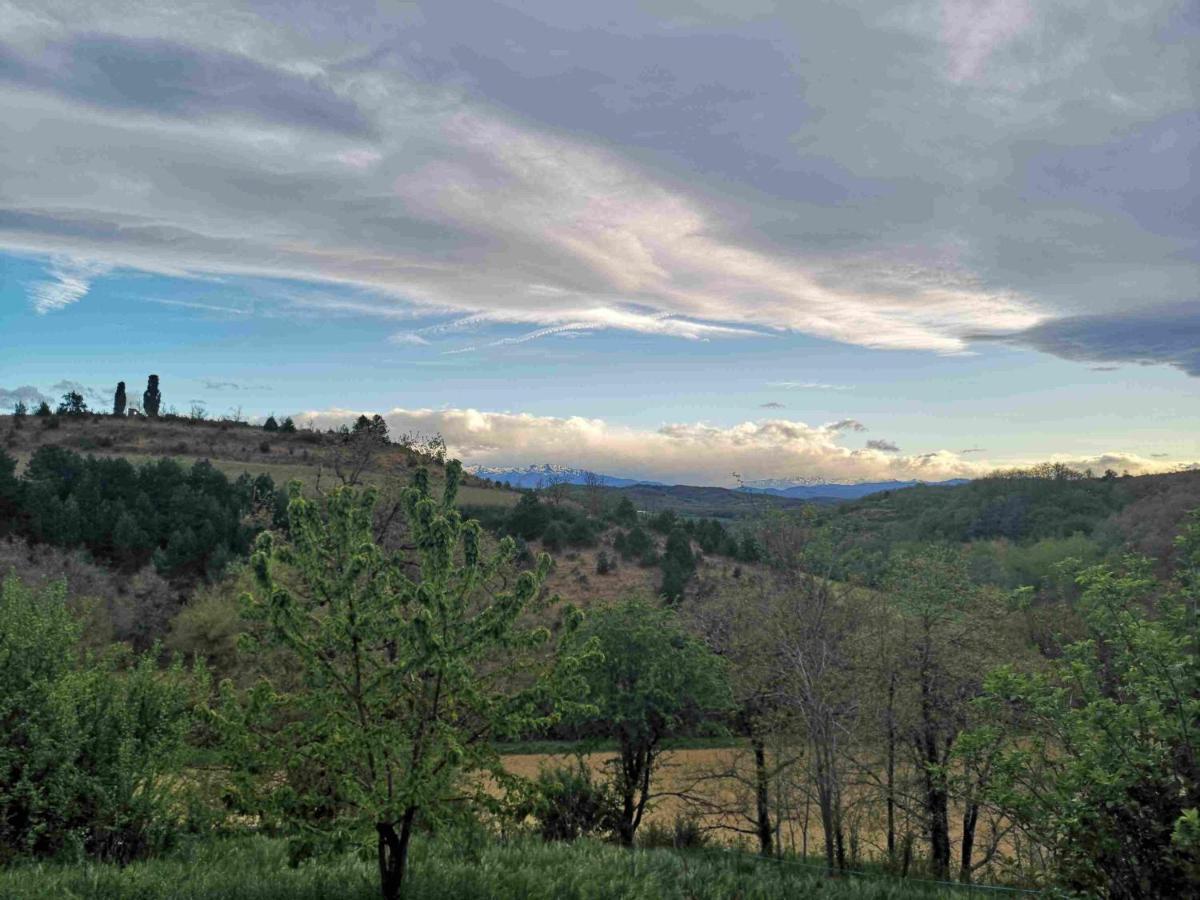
<point x="255" y="868"/>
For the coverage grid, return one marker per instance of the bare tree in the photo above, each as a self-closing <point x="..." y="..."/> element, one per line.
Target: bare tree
<point x="593" y="486"/>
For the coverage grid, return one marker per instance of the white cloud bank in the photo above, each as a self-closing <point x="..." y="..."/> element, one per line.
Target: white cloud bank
<point x="688" y="453"/>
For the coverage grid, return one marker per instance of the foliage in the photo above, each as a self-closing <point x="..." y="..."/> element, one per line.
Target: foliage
<point x="625" y="513"/>
<point x="151" y="397"/>
<point x="43" y="409"/>
<point x="270" y="424"/>
<point x="189" y="521"/>
<point x="569" y="803"/>
<point x="684" y="832"/>
<point x="1099" y="759"/>
<point x="72" y="404"/>
<point x="287" y="426"/>
<point x="407" y="667"/>
<point x="649" y="681"/>
<point x="528" y="518"/>
<point x="119" y="401"/>
<point x="86" y="739"/>
<point x="256" y="868"/>
<point x="678" y="565"/>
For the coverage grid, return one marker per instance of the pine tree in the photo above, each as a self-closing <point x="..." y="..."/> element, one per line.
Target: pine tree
<point x="287" y="426"/>
<point x="152" y="397"/>
<point x="119" y="400"/>
<point x="270" y="424"/>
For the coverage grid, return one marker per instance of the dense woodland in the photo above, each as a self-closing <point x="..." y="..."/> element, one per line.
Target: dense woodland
<point x="992" y="683"/>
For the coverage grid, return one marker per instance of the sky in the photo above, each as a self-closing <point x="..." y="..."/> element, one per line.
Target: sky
<point x="698" y="241"/>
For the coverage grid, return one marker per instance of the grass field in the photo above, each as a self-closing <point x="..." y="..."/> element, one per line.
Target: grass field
<point x="256" y="868"/>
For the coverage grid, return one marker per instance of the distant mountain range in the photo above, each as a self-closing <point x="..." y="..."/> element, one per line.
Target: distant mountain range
<point x="543" y="475"/>
<point x="540" y="476"/>
<point x="843" y="491"/>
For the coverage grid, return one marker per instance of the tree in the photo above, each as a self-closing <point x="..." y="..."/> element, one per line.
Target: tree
<point x="43" y="409"/>
<point x="648" y="681"/>
<point x="119" y="400"/>
<point x="1100" y="758"/>
<point x="287" y="426"/>
<point x="625" y="514"/>
<point x="529" y="517"/>
<point x="10" y="489"/>
<point x="270" y="424"/>
<point x="151" y="397"/>
<point x="409" y="666"/>
<point x="20" y="410"/>
<point x="88" y="740"/>
<point x="678" y="565"/>
<point x="593" y="487"/>
<point x="950" y="631"/>
<point x="72" y="404"/>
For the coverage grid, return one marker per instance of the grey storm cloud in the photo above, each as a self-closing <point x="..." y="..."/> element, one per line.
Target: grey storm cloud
<point x="26" y="393"/>
<point x="882" y="445"/>
<point x="771" y="404"/>
<point x="1164" y="335"/>
<point x="166" y="77"/>
<point x="912" y="177"/>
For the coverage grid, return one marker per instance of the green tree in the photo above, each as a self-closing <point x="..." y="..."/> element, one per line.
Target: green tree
<point x="43" y="409"/>
<point x="87" y="739"/>
<point x="151" y="397"/>
<point x="625" y="514"/>
<point x="287" y="426"/>
<point x="678" y="565"/>
<point x="72" y="404"/>
<point x="119" y="399"/>
<point x="270" y="424"/>
<point x="408" y="667"/>
<point x="10" y="488"/>
<point x="20" y="411"/>
<point x="529" y="517"/>
<point x="1100" y="757"/>
<point x="649" y="680"/>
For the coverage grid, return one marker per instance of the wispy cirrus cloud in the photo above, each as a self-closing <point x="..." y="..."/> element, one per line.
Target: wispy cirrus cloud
<point x="69" y="282"/>
<point x="810" y="386"/>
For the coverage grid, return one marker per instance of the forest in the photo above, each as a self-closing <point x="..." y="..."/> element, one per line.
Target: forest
<point x="384" y="679"/>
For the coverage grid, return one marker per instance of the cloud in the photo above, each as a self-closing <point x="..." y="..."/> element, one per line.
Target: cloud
<point x="65" y="386"/>
<point x="1165" y="335"/>
<point x="972" y="30"/>
<point x="690" y="452"/>
<point x="771" y="404"/>
<point x="810" y="385"/>
<point x="972" y="450"/>
<point x="685" y="452"/>
<point x="882" y="445"/>
<point x="407" y="338"/>
<point x="70" y="282"/>
<point x="847" y="425"/>
<point x="1008" y="175"/>
<point x="27" y="394"/>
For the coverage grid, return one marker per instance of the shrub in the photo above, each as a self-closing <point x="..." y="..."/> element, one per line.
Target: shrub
<point x="684" y="832"/>
<point x="85" y="746"/>
<point x="264" y="447"/>
<point x="554" y="538"/>
<point x="571" y="803"/>
<point x="528" y="518"/>
<point x="604" y="564"/>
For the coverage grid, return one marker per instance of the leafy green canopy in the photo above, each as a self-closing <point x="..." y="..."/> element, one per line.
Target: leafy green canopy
<point x="648" y="680"/>
<point x="408" y="665"/>
<point x="85" y="740"/>
<point x="1101" y="762"/>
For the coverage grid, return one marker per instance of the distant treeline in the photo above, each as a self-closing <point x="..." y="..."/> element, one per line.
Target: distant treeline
<point x="188" y="521"/>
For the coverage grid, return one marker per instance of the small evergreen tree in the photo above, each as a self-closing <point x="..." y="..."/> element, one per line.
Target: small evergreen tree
<point x="43" y="409"/>
<point x="151" y="397"/>
<point x="20" y="411"/>
<point x="72" y="404"/>
<point x="119" y="400"/>
<point x="678" y="564"/>
<point x="270" y="424"/>
<point x="288" y="426"/>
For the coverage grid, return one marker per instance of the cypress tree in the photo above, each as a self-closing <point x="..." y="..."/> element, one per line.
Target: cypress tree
<point x="119" y="400"/>
<point x="151" y="398"/>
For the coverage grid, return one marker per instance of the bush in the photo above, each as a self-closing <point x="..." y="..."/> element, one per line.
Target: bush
<point x="264" y="447"/>
<point x="85" y="746"/>
<point x="554" y="538"/>
<point x="604" y="564"/>
<point x="528" y="518"/>
<point x="683" y="833"/>
<point x="580" y="533"/>
<point x="571" y="803"/>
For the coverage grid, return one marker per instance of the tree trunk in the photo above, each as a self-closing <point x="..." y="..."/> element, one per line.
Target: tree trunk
<point x="891" y="769"/>
<point x="393" y="854"/>
<point x="970" y="820"/>
<point x="761" y="798"/>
